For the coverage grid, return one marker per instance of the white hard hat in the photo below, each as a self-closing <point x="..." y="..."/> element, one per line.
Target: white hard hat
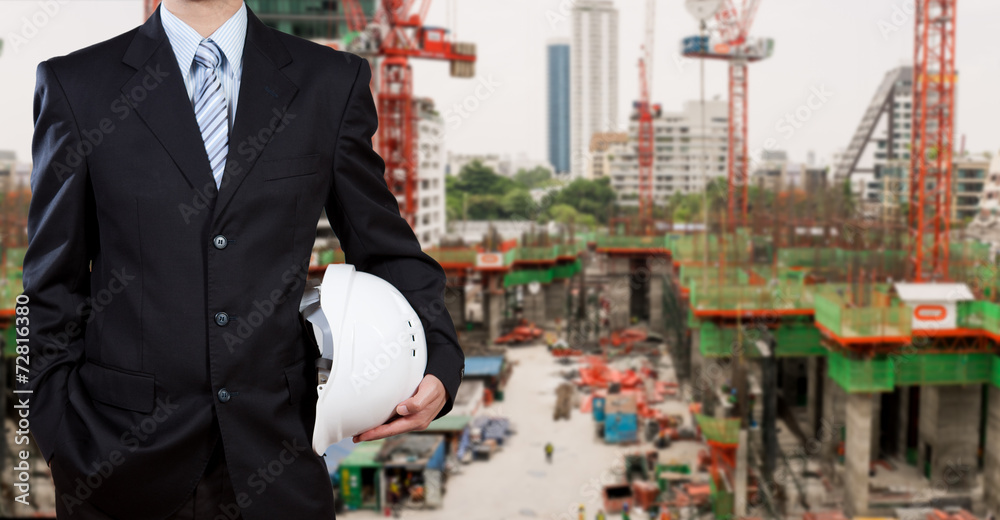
<point x="373" y="352"/>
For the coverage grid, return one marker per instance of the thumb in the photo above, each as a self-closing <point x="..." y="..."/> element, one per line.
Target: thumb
<point x="412" y="405"/>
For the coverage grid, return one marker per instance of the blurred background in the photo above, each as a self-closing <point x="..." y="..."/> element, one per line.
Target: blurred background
<point x="706" y="258"/>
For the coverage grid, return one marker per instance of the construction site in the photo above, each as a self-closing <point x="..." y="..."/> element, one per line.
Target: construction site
<point x="790" y="353"/>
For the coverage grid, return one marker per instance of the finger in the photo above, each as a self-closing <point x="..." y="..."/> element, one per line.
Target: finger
<point x="429" y="392"/>
<point x="400" y="425"/>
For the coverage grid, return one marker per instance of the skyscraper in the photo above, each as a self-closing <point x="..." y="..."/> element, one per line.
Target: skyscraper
<point x="559" y="133"/>
<point x="593" y="77"/>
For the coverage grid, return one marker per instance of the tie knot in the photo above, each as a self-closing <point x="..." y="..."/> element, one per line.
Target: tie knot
<point x="208" y="54"/>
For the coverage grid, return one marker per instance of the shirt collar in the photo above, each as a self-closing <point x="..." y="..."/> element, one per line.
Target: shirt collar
<point x="230" y="37"/>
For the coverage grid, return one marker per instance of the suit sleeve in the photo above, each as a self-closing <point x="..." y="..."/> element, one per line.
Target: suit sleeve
<point x="376" y="239"/>
<point x="61" y="224"/>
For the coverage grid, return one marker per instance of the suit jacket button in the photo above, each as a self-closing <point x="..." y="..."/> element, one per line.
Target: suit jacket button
<point x="220" y="242"/>
<point x="221" y="319"/>
<point x="224" y="396"/>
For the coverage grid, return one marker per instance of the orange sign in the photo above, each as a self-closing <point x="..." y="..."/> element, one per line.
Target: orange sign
<point x="489" y="260"/>
<point x="930" y="312"/>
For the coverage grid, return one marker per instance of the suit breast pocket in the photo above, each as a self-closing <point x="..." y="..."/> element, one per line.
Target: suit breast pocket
<point x="289" y="167"/>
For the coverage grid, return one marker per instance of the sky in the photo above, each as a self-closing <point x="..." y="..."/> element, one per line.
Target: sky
<point x="831" y="54"/>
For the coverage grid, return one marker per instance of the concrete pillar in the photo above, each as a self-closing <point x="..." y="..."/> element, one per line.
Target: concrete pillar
<point x="740" y="500"/>
<point x="494" y="306"/>
<point x="904" y="421"/>
<point x="991" y="467"/>
<point x="619" y="291"/>
<point x="949" y="420"/>
<point x="555" y="299"/>
<point x="876" y="426"/>
<point x="659" y="269"/>
<point x="812" y="397"/>
<point x="657" y="321"/>
<point x="534" y="305"/>
<point x="834" y="403"/>
<point x="857" y="453"/>
<point x="454" y="301"/>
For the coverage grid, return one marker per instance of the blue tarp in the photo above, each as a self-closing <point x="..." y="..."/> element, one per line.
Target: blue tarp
<point x="497" y="428"/>
<point x="483" y="366"/>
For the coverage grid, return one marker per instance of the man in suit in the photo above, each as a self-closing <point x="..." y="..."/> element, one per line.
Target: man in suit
<point x="180" y="170"/>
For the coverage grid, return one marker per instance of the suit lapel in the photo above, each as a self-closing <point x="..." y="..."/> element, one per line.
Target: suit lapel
<point x="265" y="93"/>
<point x="157" y="93"/>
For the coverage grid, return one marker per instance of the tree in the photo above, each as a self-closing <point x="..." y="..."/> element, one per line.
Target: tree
<point x="478" y="179"/>
<point x="533" y="178"/>
<point x="518" y="205"/>
<point x="591" y="197"/>
<point x="565" y="214"/>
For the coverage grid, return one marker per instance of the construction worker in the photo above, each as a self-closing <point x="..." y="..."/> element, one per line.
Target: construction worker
<point x="581" y="515"/>
<point x="625" y="511"/>
<point x="664" y="514"/>
<point x="600" y="515"/>
<point x="548" y="452"/>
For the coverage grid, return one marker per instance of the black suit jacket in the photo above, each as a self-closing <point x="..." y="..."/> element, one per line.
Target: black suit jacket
<point x="130" y="354"/>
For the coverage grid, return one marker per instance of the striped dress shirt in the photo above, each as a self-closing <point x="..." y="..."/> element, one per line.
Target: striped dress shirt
<point x="230" y="38"/>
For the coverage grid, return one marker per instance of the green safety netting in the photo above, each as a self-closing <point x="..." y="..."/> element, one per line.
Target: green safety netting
<point x="806" y="256"/>
<point x="723" y="502"/>
<point x="724" y="431"/>
<point x="861" y="375"/>
<point x="771" y="296"/>
<point x="846" y="321"/>
<point x="979" y="315"/>
<point x="698" y="243"/>
<point x="996" y="371"/>
<point x="9" y="341"/>
<point x="453" y="256"/>
<point x="569" y="249"/>
<point x="715" y="341"/>
<point x="533" y="254"/>
<point x="632" y="242"/>
<point x="331" y="256"/>
<point x="566" y="270"/>
<point x="14" y="257"/>
<point x="796" y="339"/>
<point x="526" y="276"/>
<point x="726" y="276"/>
<point x="943" y="369"/>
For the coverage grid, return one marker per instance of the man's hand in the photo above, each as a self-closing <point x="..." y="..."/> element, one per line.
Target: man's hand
<point x="415" y="413"/>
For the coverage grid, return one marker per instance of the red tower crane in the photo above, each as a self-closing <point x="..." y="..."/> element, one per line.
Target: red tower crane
<point x="396" y="35"/>
<point x="729" y="40"/>
<point x="645" y="128"/>
<point x="934" y="80"/>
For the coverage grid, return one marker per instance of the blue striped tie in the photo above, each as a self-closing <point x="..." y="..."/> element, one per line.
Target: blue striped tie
<point x="211" y="109"/>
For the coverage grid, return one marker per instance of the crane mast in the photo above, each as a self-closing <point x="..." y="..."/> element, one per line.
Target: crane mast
<point x="932" y="145"/>
<point x="645" y="136"/>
